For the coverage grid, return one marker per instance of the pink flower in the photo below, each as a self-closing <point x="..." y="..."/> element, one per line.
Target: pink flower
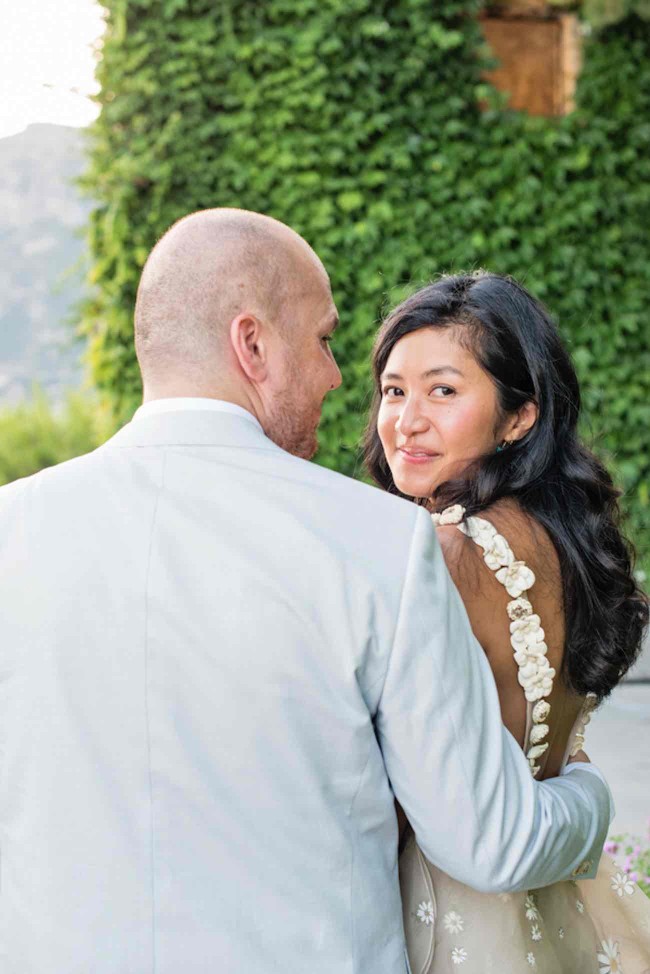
<point x="634" y="877"/>
<point x="627" y="865"/>
<point x="611" y="847"/>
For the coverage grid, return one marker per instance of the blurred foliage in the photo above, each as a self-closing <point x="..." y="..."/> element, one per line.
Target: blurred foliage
<point x="602" y="13"/>
<point x="357" y="122"/>
<point x="34" y="435"/>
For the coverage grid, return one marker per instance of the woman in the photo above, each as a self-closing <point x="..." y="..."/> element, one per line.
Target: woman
<point x="475" y="415"/>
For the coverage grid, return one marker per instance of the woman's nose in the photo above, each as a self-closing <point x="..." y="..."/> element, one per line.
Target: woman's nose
<point x="411" y="420"/>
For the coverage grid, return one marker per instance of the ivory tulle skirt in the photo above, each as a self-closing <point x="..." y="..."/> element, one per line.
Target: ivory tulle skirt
<point x="594" y="926"/>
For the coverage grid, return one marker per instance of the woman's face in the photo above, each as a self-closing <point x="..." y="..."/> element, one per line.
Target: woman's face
<point x="438" y="410"/>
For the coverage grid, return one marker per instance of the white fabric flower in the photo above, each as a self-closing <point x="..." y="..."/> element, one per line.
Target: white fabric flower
<point x="533" y="654"/>
<point x="459" y="955"/>
<point x="535" y="932"/>
<point x="536" y="751"/>
<point x="526" y="632"/>
<point x="537" y="683"/>
<point x="498" y="554"/>
<point x="453" y="922"/>
<point x="541" y="711"/>
<point x="533" y="665"/>
<point x="538" y="686"/>
<point x="609" y="958"/>
<point x="578" y="744"/>
<point x="622" y="885"/>
<point x="519" y="609"/>
<point x="425" y="912"/>
<point x="480" y="530"/>
<point x="532" y="912"/>
<point x="517" y="578"/>
<point x="536" y="693"/>
<point x="530" y="957"/>
<point x="538" y="732"/>
<point x="580" y="907"/>
<point x="451" y="515"/>
<point x="560" y="933"/>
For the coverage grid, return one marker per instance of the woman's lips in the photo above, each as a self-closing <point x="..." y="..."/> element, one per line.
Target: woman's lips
<point x="417" y="457"/>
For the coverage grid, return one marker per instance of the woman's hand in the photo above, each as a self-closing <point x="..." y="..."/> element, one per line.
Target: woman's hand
<point x="581" y="757"/>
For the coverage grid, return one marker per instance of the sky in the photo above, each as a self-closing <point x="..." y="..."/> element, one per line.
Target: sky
<point x="47" y="62"/>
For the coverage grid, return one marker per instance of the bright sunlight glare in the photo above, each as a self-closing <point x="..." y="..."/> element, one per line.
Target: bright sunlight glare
<point x="47" y="62"/>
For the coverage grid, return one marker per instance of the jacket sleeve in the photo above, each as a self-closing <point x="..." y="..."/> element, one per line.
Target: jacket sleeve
<point x="459" y="775"/>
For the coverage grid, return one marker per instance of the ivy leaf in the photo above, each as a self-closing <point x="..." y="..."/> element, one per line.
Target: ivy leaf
<point x="350" y="200"/>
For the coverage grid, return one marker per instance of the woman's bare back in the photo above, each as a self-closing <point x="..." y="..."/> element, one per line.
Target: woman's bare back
<point x="486" y="601"/>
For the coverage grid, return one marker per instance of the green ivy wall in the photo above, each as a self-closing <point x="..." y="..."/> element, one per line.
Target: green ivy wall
<point x="357" y="122"/>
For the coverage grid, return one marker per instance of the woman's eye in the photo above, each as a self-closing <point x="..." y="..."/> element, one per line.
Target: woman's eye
<point x="443" y="391"/>
<point x="391" y="391"/>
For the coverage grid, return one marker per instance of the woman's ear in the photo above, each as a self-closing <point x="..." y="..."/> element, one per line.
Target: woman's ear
<point x="248" y="343"/>
<point x="521" y="422"/>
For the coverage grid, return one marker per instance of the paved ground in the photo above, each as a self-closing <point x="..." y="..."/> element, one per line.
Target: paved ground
<point x="618" y="741"/>
<point x="642" y="668"/>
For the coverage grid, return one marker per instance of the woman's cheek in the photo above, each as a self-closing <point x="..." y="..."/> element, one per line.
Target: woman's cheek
<point x="386" y="428"/>
<point x="465" y="429"/>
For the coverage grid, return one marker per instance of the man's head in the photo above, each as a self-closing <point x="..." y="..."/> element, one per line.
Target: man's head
<point x="235" y="305"/>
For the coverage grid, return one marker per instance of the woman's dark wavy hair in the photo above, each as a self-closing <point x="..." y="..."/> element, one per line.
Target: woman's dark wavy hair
<point x="549" y="472"/>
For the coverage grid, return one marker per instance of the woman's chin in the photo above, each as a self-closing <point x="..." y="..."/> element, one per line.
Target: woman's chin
<point x="414" y="486"/>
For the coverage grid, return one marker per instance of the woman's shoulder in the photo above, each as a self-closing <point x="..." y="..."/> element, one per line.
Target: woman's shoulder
<point x="494" y="558"/>
<point x="504" y="524"/>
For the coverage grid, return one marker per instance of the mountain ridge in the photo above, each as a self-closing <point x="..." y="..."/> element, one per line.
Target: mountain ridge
<point x="42" y="216"/>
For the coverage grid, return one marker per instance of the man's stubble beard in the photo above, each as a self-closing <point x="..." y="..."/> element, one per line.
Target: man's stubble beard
<point x="291" y="430"/>
<point x="294" y="416"/>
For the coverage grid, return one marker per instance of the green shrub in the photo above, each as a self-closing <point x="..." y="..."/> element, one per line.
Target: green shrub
<point x="357" y="122"/>
<point x="602" y="13"/>
<point x="34" y="435"/>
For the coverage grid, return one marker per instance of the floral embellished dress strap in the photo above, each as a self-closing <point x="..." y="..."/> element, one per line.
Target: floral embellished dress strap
<point x="576" y="740"/>
<point x="527" y="637"/>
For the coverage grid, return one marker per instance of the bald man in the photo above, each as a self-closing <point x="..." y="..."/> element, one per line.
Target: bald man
<point x="220" y="664"/>
<point x="235" y="306"/>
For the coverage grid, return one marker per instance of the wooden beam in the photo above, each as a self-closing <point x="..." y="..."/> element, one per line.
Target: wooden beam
<point x="539" y="61"/>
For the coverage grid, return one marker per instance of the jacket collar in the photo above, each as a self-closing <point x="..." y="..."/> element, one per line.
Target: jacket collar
<point x="193" y="428"/>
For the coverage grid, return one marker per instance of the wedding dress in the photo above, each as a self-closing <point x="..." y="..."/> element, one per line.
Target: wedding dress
<point x="596" y="926"/>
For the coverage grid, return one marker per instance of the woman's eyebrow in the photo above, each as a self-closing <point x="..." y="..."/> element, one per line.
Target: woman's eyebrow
<point x="441" y="368"/>
<point x="428" y="374"/>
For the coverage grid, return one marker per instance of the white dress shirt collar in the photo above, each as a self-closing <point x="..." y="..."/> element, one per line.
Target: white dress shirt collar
<point x="186" y="404"/>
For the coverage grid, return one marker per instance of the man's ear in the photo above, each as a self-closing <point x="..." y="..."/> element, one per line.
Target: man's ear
<point x="521" y="422"/>
<point x="249" y="346"/>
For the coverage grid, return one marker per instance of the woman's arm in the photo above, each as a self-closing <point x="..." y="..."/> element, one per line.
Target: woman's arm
<point x="458" y="773"/>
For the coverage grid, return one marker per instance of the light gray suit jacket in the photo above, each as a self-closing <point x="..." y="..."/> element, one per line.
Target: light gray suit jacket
<point x="218" y="665"/>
